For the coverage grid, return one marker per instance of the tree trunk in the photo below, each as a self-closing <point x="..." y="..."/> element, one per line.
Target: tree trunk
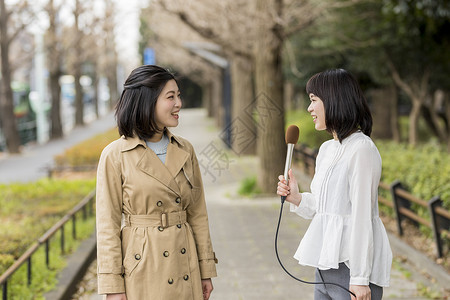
<point x="431" y="108"/>
<point x="243" y="127"/>
<point x="413" y="121"/>
<point x="395" y="128"/>
<point x="55" y="90"/>
<point x="207" y="98"/>
<point x="383" y="100"/>
<point x="217" y="105"/>
<point x="447" y="114"/>
<point x="79" y="107"/>
<point x="9" y="125"/>
<point x="112" y="84"/>
<point x="95" y="82"/>
<point x="54" y="63"/>
<point x="269" y="110"/>
<point x="417" y="92"/>
<point x="288" y="95"/>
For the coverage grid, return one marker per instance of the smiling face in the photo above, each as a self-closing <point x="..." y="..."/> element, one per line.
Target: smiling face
<point x="317" y="111"/>
<point x="168" y="106"/>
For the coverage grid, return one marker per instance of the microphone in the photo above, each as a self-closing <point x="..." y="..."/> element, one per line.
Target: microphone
<point x="291" y="139"/>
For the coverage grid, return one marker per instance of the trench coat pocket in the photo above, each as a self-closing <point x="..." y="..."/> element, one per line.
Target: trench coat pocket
<point x="133" y="240"/>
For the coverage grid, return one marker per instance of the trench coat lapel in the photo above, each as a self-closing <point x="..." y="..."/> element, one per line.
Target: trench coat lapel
<point x="150" y="164"/>
<point x="175" y="159"/>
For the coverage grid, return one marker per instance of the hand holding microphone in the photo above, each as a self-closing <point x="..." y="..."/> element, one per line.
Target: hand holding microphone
<point x="292" y="134"/>
<point x="289" y="190"/>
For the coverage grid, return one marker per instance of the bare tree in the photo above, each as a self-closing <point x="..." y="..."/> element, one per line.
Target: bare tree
<point x="255" y="31"/>
<point x="234" y="33"/>
<point x="11" y="24"/>
<point x="269" y="87"/>
<point x="109" y="46"/>
<point x="77" y="63"/>
<point x="162" y="31"/>
<point x="54" y="53"/>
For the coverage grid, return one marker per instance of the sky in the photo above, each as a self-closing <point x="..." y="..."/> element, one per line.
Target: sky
<point x="127" y="31"/>
<point x="127" y="25"/>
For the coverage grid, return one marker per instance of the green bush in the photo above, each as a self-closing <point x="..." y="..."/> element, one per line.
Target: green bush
<point x="87" y="152"/>
<point x="249" y="187"/>
<point x="423" y="170"/>
<point x="44" y="278"/>
<point x="29" y="209"/>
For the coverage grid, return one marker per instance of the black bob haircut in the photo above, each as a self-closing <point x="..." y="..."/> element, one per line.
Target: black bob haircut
<point x="346" y="108"/>
<point x="135" y="111"/>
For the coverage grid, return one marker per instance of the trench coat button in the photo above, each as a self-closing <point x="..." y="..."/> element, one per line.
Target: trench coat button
<point x="137" y="257"/>
<point x="186" y="277"/>
<point x="160" y="228"/>
<point x="178" y="200"/>
<point x="166" y="253"/>
<point x="179" y="225"/>
<point x="183" y="250"/>
<point x="159" y="203"/>
<point x="170" y="281"/>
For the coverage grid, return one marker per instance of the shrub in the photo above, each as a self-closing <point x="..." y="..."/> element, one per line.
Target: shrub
<point x="249" y="187"/>
<point x="29" y="209"/>
<point x="45" y="278"/>
<point x="87" y="152"/>
<point x="423" y="170"/>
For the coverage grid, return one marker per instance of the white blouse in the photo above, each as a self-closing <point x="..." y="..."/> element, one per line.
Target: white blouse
<point x="343" y="205"/>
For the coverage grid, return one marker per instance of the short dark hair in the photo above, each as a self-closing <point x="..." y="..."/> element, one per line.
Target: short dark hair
<point x="346" y="108"/>
<point x="135" y="111"/>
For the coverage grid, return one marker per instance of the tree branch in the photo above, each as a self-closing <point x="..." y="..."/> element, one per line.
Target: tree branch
<point x="397" y="79"/>
<point x="207" y="33"/>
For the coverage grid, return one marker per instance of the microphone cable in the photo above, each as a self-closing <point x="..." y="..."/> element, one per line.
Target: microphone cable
<point x="282" y="266"/>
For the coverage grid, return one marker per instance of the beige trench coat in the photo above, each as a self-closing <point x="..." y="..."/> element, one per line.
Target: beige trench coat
<point x="153" y="238"/>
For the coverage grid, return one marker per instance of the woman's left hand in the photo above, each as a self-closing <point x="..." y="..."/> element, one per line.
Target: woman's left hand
<point x="207" y="288"/>
<point x="362" y="292"/>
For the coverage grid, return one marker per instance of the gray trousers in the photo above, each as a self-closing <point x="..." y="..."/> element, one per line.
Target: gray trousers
<point x="340" y="276"/>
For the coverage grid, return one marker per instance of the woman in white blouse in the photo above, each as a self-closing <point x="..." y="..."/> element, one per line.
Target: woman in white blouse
<point x="346" y="241"/>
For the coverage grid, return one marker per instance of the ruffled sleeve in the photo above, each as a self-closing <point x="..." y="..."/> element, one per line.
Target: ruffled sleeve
<point x="307" y="207"/>
<point x="364" y="175"/>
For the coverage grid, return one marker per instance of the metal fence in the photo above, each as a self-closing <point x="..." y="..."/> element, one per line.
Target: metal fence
<point x="86" y="208"/>
<point x="401" y="203"/>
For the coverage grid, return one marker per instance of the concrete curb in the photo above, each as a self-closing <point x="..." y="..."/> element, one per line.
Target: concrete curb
<point x="77" y="264"/>
<point x="419" y="261"/>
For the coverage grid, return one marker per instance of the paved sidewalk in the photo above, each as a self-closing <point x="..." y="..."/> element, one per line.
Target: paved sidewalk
<point x="34" y="160"/>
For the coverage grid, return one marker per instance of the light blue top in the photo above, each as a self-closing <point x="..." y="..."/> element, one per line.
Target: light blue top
<point x="160" y="148"/>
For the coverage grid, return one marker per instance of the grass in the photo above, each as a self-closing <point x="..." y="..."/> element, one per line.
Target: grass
<point x="44" y="278"/>
<point x="28" y="211"/>
<point x="249" y="187"/>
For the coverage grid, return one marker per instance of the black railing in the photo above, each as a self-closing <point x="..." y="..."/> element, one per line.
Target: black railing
<point x="401" y="202"/>
<point x="85" y="205"/>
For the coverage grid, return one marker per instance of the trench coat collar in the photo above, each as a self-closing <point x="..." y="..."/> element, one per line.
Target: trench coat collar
<point x="150" y="164"/>
<point x="133" y="142"/>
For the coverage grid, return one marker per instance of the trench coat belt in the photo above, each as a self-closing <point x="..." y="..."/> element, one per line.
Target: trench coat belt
<point x="164" y="219"/>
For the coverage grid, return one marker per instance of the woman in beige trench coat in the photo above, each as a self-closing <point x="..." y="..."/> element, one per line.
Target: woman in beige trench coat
<point x="153" y="238"/>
